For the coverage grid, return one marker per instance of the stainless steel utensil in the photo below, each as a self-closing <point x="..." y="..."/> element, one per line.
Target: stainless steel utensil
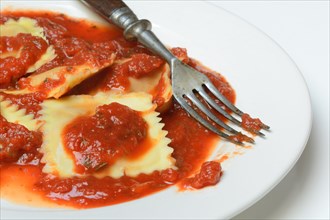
<point x="186" y="81"/>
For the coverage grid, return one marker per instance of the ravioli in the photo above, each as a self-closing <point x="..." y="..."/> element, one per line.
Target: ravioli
<point x="157" y="84"/>
<point x="15" y="115"/>
<point x="23" y="25"/>
<point x="59" y="162"/>
<point x="57" y="81"/>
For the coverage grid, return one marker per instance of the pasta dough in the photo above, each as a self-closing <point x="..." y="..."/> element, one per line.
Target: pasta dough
<point x="61" y="79"/>
<point x="58" y="113"/>
<point x="14" y="115"/>
<point x="23" y="25"/>
<point x="54" y="82"/>
<point x="12" y="28"/>
<point x="157" y="84"/>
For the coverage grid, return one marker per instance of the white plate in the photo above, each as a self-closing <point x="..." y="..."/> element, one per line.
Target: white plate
<point x="268" y="85"/>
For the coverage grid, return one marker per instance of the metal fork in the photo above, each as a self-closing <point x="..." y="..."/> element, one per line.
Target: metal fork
<point x="186" y="81"/>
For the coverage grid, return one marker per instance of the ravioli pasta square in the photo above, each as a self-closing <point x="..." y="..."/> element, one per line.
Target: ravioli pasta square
<point x="23" y="25"/>
<point x="57" y="114"/>
<point x="56" y="81"/>
<point x="60" y="79"/>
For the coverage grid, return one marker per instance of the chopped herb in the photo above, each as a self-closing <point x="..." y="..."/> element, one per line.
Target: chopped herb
<point x="87" y="162"/>
<point x="100" y="166"/>
<point x="69" y="68"/>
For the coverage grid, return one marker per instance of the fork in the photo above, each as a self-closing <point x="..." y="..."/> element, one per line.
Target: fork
<point x="189" y="85"/>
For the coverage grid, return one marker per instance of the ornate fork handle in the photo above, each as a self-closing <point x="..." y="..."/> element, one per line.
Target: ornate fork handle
<point x="120" y="14"/>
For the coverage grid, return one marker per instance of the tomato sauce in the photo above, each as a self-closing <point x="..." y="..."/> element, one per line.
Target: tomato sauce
<point x="76" y="41"/>
<point x="29" y="102"/>
<point x="251" y="124"/>
<point x="139" y="65"/>
<point x="18" y="143"/>
<point x="209" y="175"/>
<point x="94" y="143"/>
<point x="240" y="137"/>
<point x="12" y="68"/>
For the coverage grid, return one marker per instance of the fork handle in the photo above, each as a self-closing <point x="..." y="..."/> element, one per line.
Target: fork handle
<point x="122" y="16"/>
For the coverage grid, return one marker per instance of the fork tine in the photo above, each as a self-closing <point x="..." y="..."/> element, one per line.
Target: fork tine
<point x="228" y="104"/>
<point x="223" y="99"/>
<point x="208" y="113"/>
<point x="211" y="101"/>
<point x="201" y="120"/>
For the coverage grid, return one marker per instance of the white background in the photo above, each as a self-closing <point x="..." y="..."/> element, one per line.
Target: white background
<point x="302" y="29"/>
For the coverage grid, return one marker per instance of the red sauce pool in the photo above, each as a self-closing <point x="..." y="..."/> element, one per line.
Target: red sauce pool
<point x="191" y="142"/>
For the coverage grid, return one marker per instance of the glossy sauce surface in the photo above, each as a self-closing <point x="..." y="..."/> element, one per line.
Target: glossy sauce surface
<point x="18" y="143"/>
<point x="12" y="68"/>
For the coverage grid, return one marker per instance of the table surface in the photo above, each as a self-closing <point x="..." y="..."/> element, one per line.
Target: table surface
<point x="302" y="29"/>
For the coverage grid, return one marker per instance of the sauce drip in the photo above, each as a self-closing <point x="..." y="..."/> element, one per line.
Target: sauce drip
<point x="251" y="124"/>
<point x="209" y="175"/>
